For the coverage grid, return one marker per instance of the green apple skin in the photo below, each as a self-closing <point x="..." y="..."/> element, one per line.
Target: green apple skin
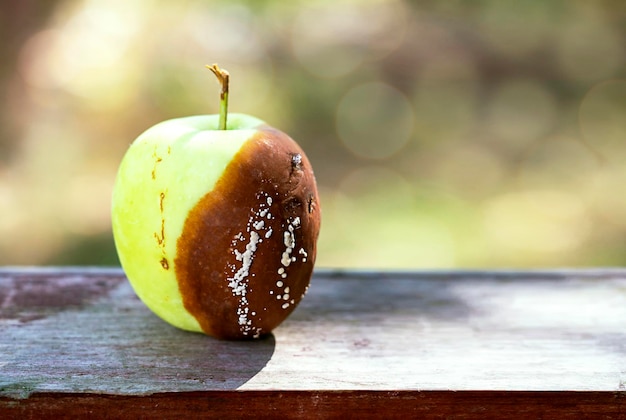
<point x="192" y="221"/>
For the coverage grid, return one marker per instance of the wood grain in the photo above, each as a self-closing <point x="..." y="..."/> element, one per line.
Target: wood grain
<point x="325" y="405"/>
<point x="435" y="344"/>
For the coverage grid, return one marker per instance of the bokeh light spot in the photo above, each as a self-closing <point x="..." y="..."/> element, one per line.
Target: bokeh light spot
<point x="227" y="32"/>
<point x="332" y="39"/>
<point x="470" y="170"/>
<point x="563" y="160"/>
<point x="589" y="49"/>
<point x="604" y="189"/>
<point x="378" y="219"/>
<point x="374" y="120"/>
<point x="445" y="111"/>
<point x="602" y="119"/>
<point x="505" y="25"/>
<point x="536" y="221"/>
<point x="520" y="112"/>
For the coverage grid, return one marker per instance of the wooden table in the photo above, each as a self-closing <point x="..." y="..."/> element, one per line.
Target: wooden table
<point x="76" y="342"/>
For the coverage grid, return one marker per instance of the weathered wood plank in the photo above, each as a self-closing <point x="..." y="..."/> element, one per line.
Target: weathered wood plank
<point x="81" y="334"/>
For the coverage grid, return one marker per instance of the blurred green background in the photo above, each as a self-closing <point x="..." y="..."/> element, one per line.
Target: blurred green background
<point x="485" y="133"/>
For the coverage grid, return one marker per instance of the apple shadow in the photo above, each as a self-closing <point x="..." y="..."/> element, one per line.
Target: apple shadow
<point x="154" y="356"/>
<point x="107" y="341"/>
<point x="179" y="361"/>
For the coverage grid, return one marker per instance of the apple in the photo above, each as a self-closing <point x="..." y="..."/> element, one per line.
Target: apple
<point x="215" y="220"/>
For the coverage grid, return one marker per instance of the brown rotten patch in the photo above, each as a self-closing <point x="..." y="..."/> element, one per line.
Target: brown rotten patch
<point x="247" y="250"/>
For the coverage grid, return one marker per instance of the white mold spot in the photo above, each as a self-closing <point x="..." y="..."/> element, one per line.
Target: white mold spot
<point x="304" y="254"/>
<point x="256" y="230"/>
<point x="285" y="260"/>
<point x="238" y="282"/>
<point x="289" y="240"/>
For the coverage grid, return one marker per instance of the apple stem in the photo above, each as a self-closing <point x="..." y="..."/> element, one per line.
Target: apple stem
<point x="223" y="77"/>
